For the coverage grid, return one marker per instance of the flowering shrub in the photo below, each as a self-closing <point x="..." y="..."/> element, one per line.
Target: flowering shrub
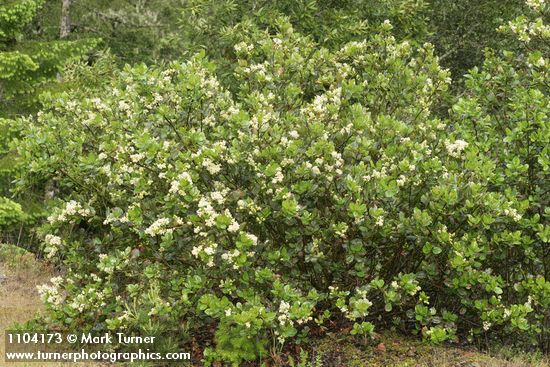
<point x="505" y="116"/>
<point x="211" y="25"/>
<point x="323" y="189"/>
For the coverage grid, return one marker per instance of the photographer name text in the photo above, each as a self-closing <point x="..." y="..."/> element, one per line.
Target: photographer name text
<point x="118" y="338"/>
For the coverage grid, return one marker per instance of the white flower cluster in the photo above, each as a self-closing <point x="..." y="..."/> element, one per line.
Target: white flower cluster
<point x="50" y="293"/>
<point x="230" y="257"/>
<point x="512" y="213"/>
<point x="99" y="104"/>
<point x="72" y="209"/>
<point x="279" y="177"/>
<point x="382" y="173"/>
<point x="137" y="157"/>
<point x="125" y="107"/>
<point x="210" y="166"/>
<point x="88" y="299"/>
<point x="52" y="245"/>
<point x="53" y="240"/>
<point x="526" y="30"/>
<point x="259" y="71"/>
<point x="207" y="212"/>
<point x="325" y="105"/>
<point x="401" y="180"/>
<point x="243" y="47"/>
<point x="234" y="226"/>
<point x="284" y="308"/>
<point x="219" y="196"/>
<point x="112" y="218"/>
<point x="207" y="249"/>
<point x="175" y="185"/>
<point x="159" y="227"/>
<point x="535" y="4"/>
<point x="455" y="148"/>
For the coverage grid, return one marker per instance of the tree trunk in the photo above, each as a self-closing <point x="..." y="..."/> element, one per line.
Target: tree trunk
<point x="65" y="27"/>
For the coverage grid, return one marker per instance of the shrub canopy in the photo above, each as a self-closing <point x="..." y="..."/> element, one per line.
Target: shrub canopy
<point x="319" y="187"/>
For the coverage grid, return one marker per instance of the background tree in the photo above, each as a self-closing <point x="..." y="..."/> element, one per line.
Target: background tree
<point x="65" y="27"/>
<point x="28" y="64"/>
<point x="134" y="31"/>
<point x="462" y="29"/>
<point x="155" y="31"/>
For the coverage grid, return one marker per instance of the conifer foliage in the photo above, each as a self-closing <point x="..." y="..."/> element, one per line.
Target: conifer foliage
<point x="27" y="65"/>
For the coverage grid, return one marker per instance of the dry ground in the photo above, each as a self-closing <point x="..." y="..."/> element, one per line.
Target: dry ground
<point x="20" y="273"/>
<point x="398" y="351"/>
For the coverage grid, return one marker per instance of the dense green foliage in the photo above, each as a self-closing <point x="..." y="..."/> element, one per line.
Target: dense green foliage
<point x="26" y="65"/>
<point x="154" y="31"/>
<point x="296" y="168"/>
<point x="505" y="115"/>
<point x="322" y="187"/>
<point x="211" y="25"/>
<point x="303" y="124"/>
